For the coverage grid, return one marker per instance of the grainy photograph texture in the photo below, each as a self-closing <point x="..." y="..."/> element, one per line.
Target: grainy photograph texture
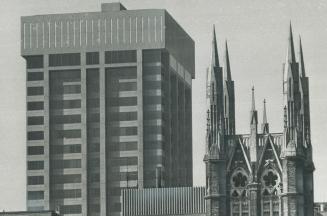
<point x="144" y="108"/>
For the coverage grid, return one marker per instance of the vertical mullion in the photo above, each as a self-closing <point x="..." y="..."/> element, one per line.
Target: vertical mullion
<point x="103" y="171"/>
<point x="84" y="135"/>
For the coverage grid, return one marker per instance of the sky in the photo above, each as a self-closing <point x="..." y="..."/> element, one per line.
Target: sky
<point x="256" y="31"/>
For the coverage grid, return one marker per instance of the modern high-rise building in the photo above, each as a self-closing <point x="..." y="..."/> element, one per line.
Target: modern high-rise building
<point x="108" y="107"/>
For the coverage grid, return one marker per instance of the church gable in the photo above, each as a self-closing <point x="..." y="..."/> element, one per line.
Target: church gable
<point x="238" y="158"/>
<point x="269" y="156"/>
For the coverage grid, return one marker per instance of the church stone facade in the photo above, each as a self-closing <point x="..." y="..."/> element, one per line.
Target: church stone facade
<point x="260" y="173"/>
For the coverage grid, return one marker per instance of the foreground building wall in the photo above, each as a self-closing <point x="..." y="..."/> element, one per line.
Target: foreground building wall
<point x="29" y="213"/>
<point x="108" y="107"/>
<point x="164" y="201"/>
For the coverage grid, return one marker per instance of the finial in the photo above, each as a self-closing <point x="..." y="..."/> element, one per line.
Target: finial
<point x="227" y="72"/>
<point x="214" y="58"/>
<point x="264" y="112"/>
<point x="290" y="52"/>
<point x="253" y="101"/>
<point x="301" y="59"/>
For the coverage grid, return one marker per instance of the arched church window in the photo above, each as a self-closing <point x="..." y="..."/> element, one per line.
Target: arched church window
<point x="238" y="196"/>
<point x="270" y="203"/>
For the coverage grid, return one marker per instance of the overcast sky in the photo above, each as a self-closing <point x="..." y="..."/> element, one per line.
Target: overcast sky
<point x="256" y="31"/>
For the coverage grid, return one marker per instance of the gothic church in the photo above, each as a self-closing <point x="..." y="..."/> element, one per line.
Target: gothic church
<point x="261" y="173"/>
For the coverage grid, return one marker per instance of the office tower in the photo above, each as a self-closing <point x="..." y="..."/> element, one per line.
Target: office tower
<point x="260" y="173"/>
<point x="108" y="107"/>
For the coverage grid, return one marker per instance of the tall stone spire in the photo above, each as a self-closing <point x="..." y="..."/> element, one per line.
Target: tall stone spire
<point x="229" y="96"/>
<point x="253" y="131"/>
<point x="290" y="49"/>
<point x="301" y="60"/>
<point x="227" y="71"/>
<point x="214" y="57"/>
<point x="215" y="157"/>
<point x="253" y="100"/>
<point x="265" y="125"/>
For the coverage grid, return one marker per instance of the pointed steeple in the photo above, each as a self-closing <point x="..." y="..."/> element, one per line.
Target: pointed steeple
<point x="227" y="72"/>
<point x="301" y="60"/>
<point x="253" y="100"/>
<point x="290" y="49"/>
<point x="264" y="120"/>
<point x="214" y="57"/>
<point x="253" y="112"/>
<point x="253" y="131"/>
<point x="265" y="125"/>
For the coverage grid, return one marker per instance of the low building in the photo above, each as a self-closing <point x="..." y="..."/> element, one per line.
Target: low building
<point x="320" y="209"/>
<point x="164" y="201"/>
<point x="29" y="213"/>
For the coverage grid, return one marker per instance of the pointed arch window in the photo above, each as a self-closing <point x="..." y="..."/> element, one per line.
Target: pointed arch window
<point x="271" y="190"/>
<point x="238" y="193"/>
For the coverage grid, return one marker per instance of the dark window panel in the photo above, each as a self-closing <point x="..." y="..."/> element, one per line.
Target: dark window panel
<point x="123" y="176"/>
<point x="65" y="119"/>
<point x="71" y="89"/>
<point x="123" y="131"/>
<point x="123" y="116"/>
<point x="34" y="91"/>
<point x="123" y="161"/>
<point x="75" y="133"/>
<point x="35" y="180"/>
<point x="65" y="104"/>
<point x="151" y="56"/>
<point x="66" y="164"/>
<point x="35" y="105"/>
<point x="64" y="179"/>
<point x="123" y="101"/>
<point x="152" y="115"/>
<point x="152" y="129"/>
<point x="95" y="162"/>
<point x="94" y="147"/>
<point x="69" y="193"/>
<point x="123" y="146"/>
<point x="66" y="59"/>
<point x="65" y="149"/>
<point x="35" y="120"/>
<point x="35" y="61"/>
<point x="93" y="117"/>
<point x="57" y="77"/>
<point x="92" y="58"/>
<point x="70" y="209"/>
<point x="35" y="150"/>
<point x="35" y="135"/>
<point x="127" y="86"/>
<point x="35" y="165"/>
<point x="35" y="195"/>
<point x="152" y="84"/>
<point x="152" y="100"/>
<point x="35" y="76"/>
<point x="113" y="74"/>
<point x="151" y="70"/>
<point x="122" y="56"/>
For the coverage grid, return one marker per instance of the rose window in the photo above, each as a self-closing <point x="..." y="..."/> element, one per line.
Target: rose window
<point x="239" y="180"/>
<point x="270" y="179"/>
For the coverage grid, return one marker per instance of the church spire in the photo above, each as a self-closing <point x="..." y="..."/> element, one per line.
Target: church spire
<point x="301" y="60"/>
<point x="253" y="100"/>
<point x="253" y="112"/>
<point x="227" y="74"/>
<point x="265" y="125"/>
<point x="290" y="50"/>
<point x="214" y="57"/>
<point x="264" y="112"/>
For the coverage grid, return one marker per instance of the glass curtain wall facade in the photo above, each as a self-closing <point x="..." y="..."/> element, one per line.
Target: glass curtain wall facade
<point x="108" y="107"/>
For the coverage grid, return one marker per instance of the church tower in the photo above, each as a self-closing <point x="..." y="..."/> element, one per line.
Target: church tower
<point x="259" y="173"/>
<point x="215" y="157"/>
